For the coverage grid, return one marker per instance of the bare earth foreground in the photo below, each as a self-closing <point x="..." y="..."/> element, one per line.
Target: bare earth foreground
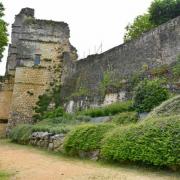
<point x="26" y="163"/>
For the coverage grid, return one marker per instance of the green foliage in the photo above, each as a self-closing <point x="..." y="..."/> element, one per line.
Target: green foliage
<point x="125" y="118"/>
<point x="80" y="92"/>
<point x="21" y="133"/>
<point x="3" y="31"/>
<point x="140" y="25"/>
<point x="42" y="106"/>
<point x="155" y="141"/>
<point x="61" y="124"/>
<point x="159" y="71"/>
<point x="85" y="138"/>
<point x="149" y="94"/>
<point x="176" y="68"/>
<point x="82" y="118"/>
<point x="55" y="129"/>
<point x="105" y="82"/>
<point x="108" y="110"/>
<point x="167" y="108"/>
<point x="58" y="112"/>
<point x="163" y="10"/>
<point x="159" y="12"/>
<point x="4" y="175"/>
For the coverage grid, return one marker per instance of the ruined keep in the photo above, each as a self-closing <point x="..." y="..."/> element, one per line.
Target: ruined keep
<point x="41" y="57"/>
<point x="33" y="65"/>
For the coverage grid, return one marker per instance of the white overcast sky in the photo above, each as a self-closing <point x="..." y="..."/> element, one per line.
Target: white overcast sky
<point x="91" y="21"/>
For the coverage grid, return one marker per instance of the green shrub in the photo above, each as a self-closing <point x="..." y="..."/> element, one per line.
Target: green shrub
<point x="58" y="112"/>
<point x="140" y="25"/>
<point x="82" y="118"/>
<point x="21" y="133"/>
<point x="85" y="138"/>
<point x="52" y="129"/>
<point x="176" y="68"/>
<point x="167" y="108"/>
<point x="163" y="10"/>
<point x="125" y="118"/>
<point x="149" y="94"/>
<point x="108" y="110"/>
<point x="155" y="141"/>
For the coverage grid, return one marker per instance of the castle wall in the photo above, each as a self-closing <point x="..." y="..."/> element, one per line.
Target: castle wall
<point x="29" y="84"/>
<point x="5" y="103"/>
<point x="6" y="90"/>
<point x="82" y="79"/>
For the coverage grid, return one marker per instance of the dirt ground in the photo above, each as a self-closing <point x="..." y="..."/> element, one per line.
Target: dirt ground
<point x="26" y="163"/>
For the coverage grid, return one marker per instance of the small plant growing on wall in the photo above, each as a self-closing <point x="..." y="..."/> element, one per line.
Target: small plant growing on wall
<point x="50" y="97"/>
<point x="176" y="68"/>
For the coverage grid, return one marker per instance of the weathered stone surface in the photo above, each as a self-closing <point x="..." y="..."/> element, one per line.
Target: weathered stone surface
<point x="52" y="142"/>
<point x="155" y="48"/>
<point x="31" y="37"/>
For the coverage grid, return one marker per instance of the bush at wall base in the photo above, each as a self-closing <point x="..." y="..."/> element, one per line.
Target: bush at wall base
<point x="154" y="141"/>
<point x="86" y="138"/>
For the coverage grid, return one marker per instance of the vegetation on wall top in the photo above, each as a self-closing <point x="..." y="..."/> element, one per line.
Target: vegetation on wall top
<point x="3" y="31"/>
<point x="160" y="11"/>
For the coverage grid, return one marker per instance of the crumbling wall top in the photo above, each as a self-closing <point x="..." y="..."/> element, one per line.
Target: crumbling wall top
<point x="27" y="12"/>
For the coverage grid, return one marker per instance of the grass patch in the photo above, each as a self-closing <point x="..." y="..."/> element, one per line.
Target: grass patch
<point x="108" y="110"/>
<point x="4" y="175"/>
<point x="167" y="108"/>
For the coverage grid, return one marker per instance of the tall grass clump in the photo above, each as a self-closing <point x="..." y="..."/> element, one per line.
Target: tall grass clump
<point x="108" y="110"/>
<point x="167" y="108"/>
<point x="21" y="133"/>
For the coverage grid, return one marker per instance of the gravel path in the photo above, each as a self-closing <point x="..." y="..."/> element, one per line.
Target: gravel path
<point x="32" y="164"/>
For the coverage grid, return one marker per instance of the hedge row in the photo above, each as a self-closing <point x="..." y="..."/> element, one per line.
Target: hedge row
<point x="155" y="141"/>
<point x="86" y="138"/>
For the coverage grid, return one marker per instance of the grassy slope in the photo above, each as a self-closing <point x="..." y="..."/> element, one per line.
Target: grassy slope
<point x="167" y="108"/>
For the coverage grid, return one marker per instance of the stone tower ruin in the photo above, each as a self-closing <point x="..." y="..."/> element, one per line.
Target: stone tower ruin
<point x="34" y="62"/>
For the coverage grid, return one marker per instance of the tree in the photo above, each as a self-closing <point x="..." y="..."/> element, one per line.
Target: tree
<point x="163" y="10"/>
<point x="140" y="25"/>
<point x="3" y="31"/>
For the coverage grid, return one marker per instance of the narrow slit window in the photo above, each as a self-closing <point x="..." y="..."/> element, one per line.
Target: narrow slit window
<point x="37" y="59"/>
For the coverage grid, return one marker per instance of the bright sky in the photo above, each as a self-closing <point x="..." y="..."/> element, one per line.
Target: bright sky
<point x="91" y="21"/>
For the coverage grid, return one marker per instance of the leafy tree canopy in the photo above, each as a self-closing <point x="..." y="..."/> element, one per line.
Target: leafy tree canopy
<point x="160" y="11"/>
<point x="140" y="25"/>
<point x="163" y="10"/>
<point x="3" y="31"/>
